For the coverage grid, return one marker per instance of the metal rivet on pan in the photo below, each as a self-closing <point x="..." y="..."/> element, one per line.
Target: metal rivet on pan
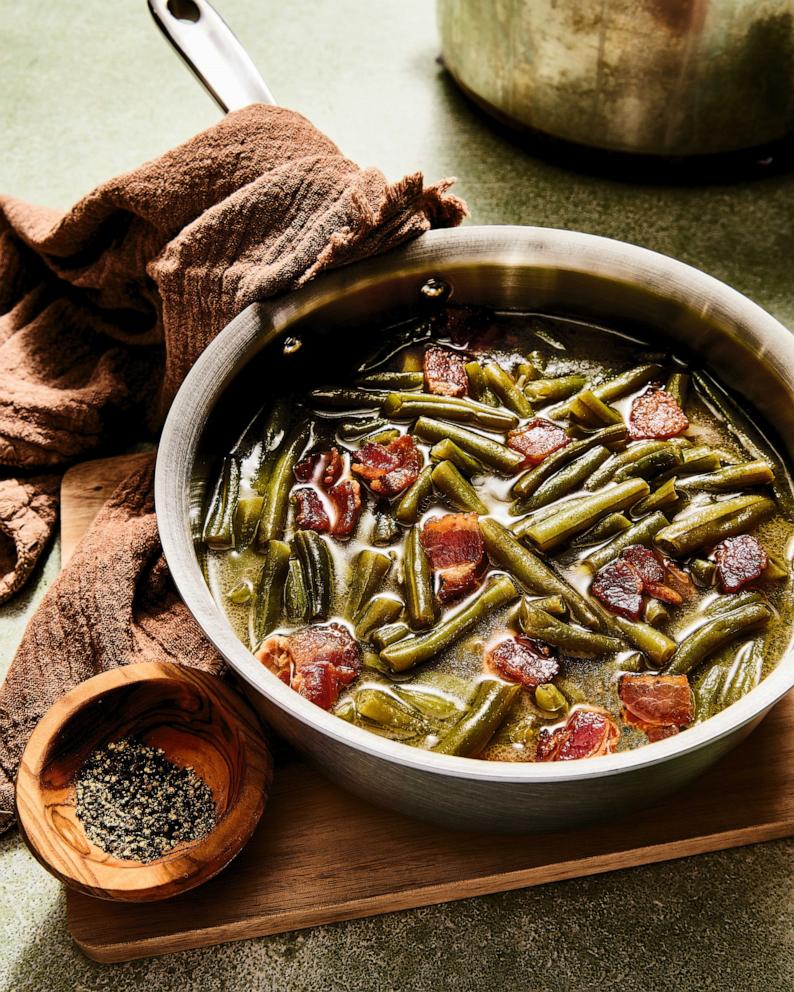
<point x="435" y="289"/>
<point x="291" y="345"/>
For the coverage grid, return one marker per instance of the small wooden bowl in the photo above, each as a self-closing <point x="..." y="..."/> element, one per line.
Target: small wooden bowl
<point x="197" y="720"/>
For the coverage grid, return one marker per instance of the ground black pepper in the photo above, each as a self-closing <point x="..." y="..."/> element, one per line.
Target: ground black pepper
<point x="136" y="804"/>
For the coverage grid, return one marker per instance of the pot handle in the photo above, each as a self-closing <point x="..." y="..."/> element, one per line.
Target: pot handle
<point x="211" y="51"/>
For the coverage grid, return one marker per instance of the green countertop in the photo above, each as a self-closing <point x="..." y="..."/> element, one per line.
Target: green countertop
<point x="90" y="89"/>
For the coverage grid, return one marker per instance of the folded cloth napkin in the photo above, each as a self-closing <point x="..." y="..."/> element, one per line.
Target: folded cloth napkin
<point x="102" y="312"/>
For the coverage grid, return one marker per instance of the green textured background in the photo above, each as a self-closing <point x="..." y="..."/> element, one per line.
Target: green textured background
<point x="90" y="89"/>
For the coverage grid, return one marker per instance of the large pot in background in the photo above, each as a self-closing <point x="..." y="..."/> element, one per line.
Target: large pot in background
<point x="529" y="269"/>
<point x="657" y="77"/>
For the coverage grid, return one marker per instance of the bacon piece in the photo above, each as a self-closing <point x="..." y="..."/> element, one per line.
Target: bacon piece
<point x="588" y="733"/>
<point x="678" y="580"/>
<point x="519" y="659"/>
<point x="619" y="587"/>
<point x="655" y="702"/>
<point x="345" y="497"/>
<point x="390" y="468"/>
<point x="310" y="514"/>
<point x="315" y="661"/>
<point x="445" y="373"/>
<point x="454" y="547"/>
<point x="660" y="733"/>
<point x="304" y="469"/>
<point x="740" y="560"/>
<point x="656" y="414"/>
<point x="653" y="573"/>
<point x="332" y="467"/>
<point x="537" y="440"/>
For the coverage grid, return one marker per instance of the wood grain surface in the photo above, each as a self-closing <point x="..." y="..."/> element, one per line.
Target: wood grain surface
<point x="320" y="855"/>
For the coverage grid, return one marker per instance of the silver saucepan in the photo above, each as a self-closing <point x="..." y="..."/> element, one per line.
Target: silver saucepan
<point x="529" y="269"/>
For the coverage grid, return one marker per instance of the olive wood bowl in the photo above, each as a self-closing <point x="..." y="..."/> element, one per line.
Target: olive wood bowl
<point x="197" y="720"/>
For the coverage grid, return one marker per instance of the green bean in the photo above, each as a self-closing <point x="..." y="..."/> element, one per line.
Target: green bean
<point x="707" y="693"/>
<point x="497" y="592"/>
<point x="274" y="510"/>
<point x="491" y="705"/>
<point x="678" y="386"/>
<point x="728" y="412"/>
<point x="531" y="480"/>
<point x="588" y="409"/>
<point x="385" y="529"/>
<point x="657" y="647"/>
<point x="708" y="525"/>
<point x="505" y="388"/>
<point x="392" y="380"/>
<point x="385" y="436"/>
<point x="246" y="519"/>
<point x="612" y="524"/>
<point x="725" y="604"/>
<point x="430" y="704"/>
<point x="378" y="611"/>
<point x="555" y="605"/>
<point x="634" y="663"/>
<point x="317" y="566"/>
<point x="520" y="527"/>
<point x="457" y="490"/>
<point x="345" y="709"/>
<point x="417" y="582"/>
<point x="619" y="461"/>
<point x="567" y="479"/>
<point x="274" y="431"/>
<point x="650" y="465"/>
<point x="642" y="532"/>
<point x="575" y="517"/>
<point x="410" y="504"/>
<point x="528" y="372"/>
<point x="296" y="600"/>
<point x="354" y="430"/>
<point x="618" y="386"/>
<point x="388" y="710"/>
<point x="270" y="589"/>
<point x="549" y="698"/>
<point x="409" y="406"/>
<point x="533" y="573"/>
<point x="655" y="613"/>
<point x="699" y="459"/>
<point x="703" y="571"/>
<point x="389" y="634"/>
<point x="478" y="387"/>
<point x="578" y="643"/>
<point x="744" y="675"/>
<point x="219" y="525"/>
<point x="368" y="570"/>
<point x="730" y="478"/>
<point x="343" y="396"/>
<point x="241" y="593"/>
<point x="662" y="498"/>
<point x="716" y="633"/>
<point x="776" y="570"/>
<point x="490" y="452"/>
<point x="543" y="391"/>
<point x="447" y="450"/>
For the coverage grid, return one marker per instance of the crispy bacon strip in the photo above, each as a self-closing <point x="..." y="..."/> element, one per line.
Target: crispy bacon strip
<point x="740" y="560"/>
<point x="519" y="659"/>
<point x="655" y="703"/>
<point x="324" y="469"/>
<point x="537" y="440"/>
<point x="389" y="468"/>
<point x="445" y="373"/>
<point x="310" y="513"/>
<point x="315" y="661"/>
<point x="454" y="547"/>
<point x="656" y="414"/>
<point x="588" y="733"/>
<point x="620" y="583"/>
<point x="345" y="497"/>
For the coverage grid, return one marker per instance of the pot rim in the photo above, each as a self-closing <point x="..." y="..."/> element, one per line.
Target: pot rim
<point x="495" y="245"/>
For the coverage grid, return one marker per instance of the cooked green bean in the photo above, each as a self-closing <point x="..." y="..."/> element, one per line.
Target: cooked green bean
<point x="355" y="430"/>
<point x="655" y="613"/>
<point x="744" y="675"/>
<point x="650" y="465"/>
<point x="528" y="372"/>
<point x="776" y="570"/>
<point x="678" y="387"/>
<point x="385" y="529"/>
<point x="699" y="459"/>
<point x="643" y="532"/>
<point x="367" y="572"/>
<point x="555" y="605"/>
<point x="491" y="705"/>
<point x="392" y="380"/>
<point x="588" y="409"/>
<point x="266" y="609"/>
<point x="623" y="459"/>
<point x="703" y="571"/>
<point x="578" y="643"/>
<point x="296" y="600"/>
<point x="531" y="480"/>
<point x="430" y="704"/>
<point x="380" y="610"/>
<point x="409" y="406"/>
<point x="543" y="391"/>
<point x="567" y="479"/>
<point x="417" y="582"/>
<point x="616" y="387"/>
<point x="317" y="566"/>
<point x="274" y="510"/>
<point x="490" y="452"/>
<point x="506" y="389"/>
<point x="410" y="504"/>
<point x="730" y="479"/>
<point x="384" y="436"/>
<point x="219" y="526"/>
<point x="520" y="527"/>
<point x="728" y="411"/>
<point x="662" y="498"/>
<point x="549" y="698"/>
<point x="246" y="519"/>
<point x="389" y="634"/>
<point x="612" y="524"/>
<point x="458" y="490"/>
<point x="533" y="573"/>
<point x="497" y="592"/>
<point x="478" y="387"/>
<point x="655" y="645"/>
<point x="447" y="450"/>
<point x="708" y="525"/>
<point x="577" y="516"/>
<point x="348" y="397"/>
<point x="385" y="708"/>
<point x="732" y="601"/>
<point x="241" y="593"/>
<point x="707" y="692"/>
<point x="716" y="633"/>
<point x="273" y="433"/>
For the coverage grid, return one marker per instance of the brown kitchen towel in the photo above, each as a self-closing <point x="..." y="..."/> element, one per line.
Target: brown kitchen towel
<point x="102" y="312"/>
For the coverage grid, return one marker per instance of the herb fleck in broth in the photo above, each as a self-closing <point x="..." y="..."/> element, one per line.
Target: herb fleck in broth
<point x="645" y="603"/>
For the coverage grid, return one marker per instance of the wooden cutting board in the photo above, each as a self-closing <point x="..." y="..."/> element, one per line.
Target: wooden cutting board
<point x="321" y="855"/>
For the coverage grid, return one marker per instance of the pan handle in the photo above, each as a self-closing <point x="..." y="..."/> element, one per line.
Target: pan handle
<point x="211" y="51"/>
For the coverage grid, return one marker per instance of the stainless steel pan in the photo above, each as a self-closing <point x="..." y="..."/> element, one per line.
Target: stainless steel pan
<point x="560" y="272"/>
